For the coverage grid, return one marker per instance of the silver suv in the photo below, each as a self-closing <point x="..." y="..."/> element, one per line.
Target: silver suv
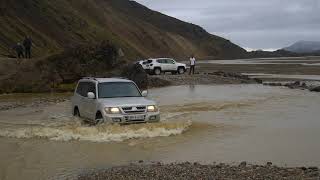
<point x="113" y="100"/>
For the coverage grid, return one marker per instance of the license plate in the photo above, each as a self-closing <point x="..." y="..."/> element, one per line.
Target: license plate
<point x="139" y="117"/>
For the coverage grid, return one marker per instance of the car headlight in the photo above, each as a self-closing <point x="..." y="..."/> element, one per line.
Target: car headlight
<point x="152" y="108"/>
<point x="112" y="110"/>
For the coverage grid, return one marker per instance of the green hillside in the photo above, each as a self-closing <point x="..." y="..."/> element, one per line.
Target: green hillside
<point x="56" y="25"/>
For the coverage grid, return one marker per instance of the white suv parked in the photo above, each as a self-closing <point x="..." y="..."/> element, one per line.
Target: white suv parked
<point x="113" y="100"/>
<point x="159" y="65"/>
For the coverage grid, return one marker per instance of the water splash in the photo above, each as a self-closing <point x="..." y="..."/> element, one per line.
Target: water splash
<point x="101" y="133"/>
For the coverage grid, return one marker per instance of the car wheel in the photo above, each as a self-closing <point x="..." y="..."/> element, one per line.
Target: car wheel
<point x="99" y="118"/>
<point x="76" y="112"/>
<point x="157" y="71"/>
<point x="181" y="70"/>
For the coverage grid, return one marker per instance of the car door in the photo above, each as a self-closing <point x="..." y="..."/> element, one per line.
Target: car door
<point x="171" y="65"/>
<point x="79" y="97"/>
<point x="164" y="64"/>
<point x="90" y="104"/>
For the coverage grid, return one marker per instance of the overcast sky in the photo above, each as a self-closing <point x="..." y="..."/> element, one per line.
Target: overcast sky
<point x="256" y="24"/>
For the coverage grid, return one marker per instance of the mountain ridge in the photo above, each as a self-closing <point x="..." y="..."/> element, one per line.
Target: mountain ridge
<point x="141" y="32"/>
<point x="304" y="46"/>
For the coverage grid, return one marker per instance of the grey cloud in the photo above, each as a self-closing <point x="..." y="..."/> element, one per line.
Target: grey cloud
<point x="249" y="23"/>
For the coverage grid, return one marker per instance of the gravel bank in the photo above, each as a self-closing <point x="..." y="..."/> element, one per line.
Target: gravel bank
<point x="206" y="78"/>
<point x="198" y="171"/>
<point x="12" y="101"/>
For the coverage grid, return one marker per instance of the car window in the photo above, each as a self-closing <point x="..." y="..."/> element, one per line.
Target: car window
<point x="81" y="87"/>
<point x="118" y="89"/>
<point x="160" y="61"/>
<point x="85" y="87"/>
<point x="91" y="88"/>
<point x="147" y="62"/>
<point x="170" y="61"/>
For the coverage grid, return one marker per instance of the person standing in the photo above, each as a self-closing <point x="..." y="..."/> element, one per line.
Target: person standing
<point x="192" y="64"/>
<point x="27" y="43"/>
<point x="19" y="50"/>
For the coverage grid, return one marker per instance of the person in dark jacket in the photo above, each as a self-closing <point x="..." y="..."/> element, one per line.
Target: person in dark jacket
<point x="27" y="43"/>
<point x="19" y="50"/>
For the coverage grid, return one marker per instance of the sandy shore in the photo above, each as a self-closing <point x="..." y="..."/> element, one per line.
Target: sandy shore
<point x="198" y="171"/>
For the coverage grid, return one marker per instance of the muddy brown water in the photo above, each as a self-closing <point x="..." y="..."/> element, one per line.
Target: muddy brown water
<point x="225" y="123"/>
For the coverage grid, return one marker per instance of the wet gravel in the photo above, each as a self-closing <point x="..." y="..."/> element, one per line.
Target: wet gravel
<point x="34" y="102"/>
<point x="188" y="170"/>
<point x="206" y="78"/>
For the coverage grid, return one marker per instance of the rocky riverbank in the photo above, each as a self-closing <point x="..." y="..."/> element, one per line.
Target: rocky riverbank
<point x="203" y="78"/>
<point x="297" y="85"/>
<point x="198" y="171"/>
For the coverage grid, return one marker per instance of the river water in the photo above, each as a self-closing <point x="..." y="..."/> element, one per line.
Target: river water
<point x="223" y="123"/>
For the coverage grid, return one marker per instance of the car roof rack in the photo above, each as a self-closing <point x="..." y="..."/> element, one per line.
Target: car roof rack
<point x="121" y="78"/>
<point x="93" y="78"/>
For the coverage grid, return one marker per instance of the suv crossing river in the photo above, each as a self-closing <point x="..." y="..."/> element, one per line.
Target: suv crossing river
<point x="113" y="100"/>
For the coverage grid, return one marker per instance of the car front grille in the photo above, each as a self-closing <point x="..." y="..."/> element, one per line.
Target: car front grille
<point x="134" y="109"/>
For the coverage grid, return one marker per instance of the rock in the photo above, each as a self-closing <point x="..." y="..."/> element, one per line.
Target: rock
<point x="314" y="174"/>
<point x="136" y="73"/>
<point x="196" y="164"/>
<point x="303" y="168"/>
<point x="157" y="82"/>
<point x="269" y="163"/>
<point x="243" y="164"/>
<point x="258" y="80"/>
<point x="273" y="84"/>
<point x="296" y="83"/>
<point x="314" y="168"/>
<point x="315" y="89"/>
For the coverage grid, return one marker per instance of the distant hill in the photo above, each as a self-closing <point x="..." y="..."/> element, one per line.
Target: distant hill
<point x="304" y="47"/>
<point x="56" y="25"/>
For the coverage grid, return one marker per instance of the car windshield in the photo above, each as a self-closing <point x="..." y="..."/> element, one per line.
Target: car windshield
<point x="118" y="89"/>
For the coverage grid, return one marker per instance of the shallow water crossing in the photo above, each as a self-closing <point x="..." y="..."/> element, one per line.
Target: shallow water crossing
<point x="226" y="123"/>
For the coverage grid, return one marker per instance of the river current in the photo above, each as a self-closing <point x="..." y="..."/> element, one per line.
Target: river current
<point x="223" y="123"/>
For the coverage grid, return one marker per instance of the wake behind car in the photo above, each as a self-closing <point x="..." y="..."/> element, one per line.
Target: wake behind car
<point x="113" y="100"/>
<point x="160" y="65"/>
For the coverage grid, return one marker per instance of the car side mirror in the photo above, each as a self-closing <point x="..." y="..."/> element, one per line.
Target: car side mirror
<point x="144" y="93"/>
<point x="91" y="95"/>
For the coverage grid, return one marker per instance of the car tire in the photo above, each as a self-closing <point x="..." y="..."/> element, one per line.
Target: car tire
<point x="181" y="70"/>
<point x="76" y="112"/>
<point x="157" y="71"/>
<point x="98" y="119"/>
